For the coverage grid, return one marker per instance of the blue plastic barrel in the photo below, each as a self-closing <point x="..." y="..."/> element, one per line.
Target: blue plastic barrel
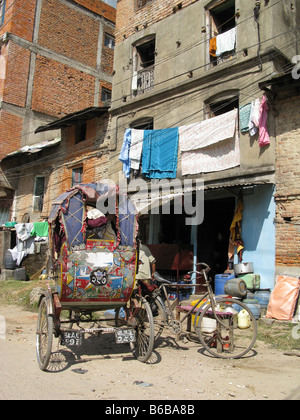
<point x="220" y="281"/>
<point x="263" y="297"/>
<point x="254" y="307"/>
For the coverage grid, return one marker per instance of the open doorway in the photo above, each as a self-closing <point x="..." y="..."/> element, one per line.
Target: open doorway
<point x="214" y="232"/>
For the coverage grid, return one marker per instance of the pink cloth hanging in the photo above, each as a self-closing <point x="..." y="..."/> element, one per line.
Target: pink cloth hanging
<point x="264" y="138"/>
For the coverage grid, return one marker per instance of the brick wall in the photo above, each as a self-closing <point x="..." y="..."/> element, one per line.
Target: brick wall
<point x="16" y="78"/>
<point x="107" y="58"/>
<point x="129" y="16"/>
<point x="73" y="34"/>
<point x="67" y="90"/>
<point x="287" y="183"/>
<point x="19" y="18"/>
<point x="10" y="132"/>
<point x="58" y="88"/>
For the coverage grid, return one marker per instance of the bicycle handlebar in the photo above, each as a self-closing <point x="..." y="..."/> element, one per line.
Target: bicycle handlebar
<point x="207" y="267"/>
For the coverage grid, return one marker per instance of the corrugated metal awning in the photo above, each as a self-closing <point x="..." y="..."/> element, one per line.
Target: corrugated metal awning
<point x="71" y="119"/>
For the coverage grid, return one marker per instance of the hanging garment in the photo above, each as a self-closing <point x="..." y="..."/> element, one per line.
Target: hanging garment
<point x="40" y="229"/>
<point x="134" y="83"/>
<point x="254" y="117"/>
<point x="25" y="242"/>
<point x="264" y="138"/>
<point x="135" y="154"/>
<point x="213" y="46"/>
<point x="226" y="41"/>
<point x="235" y="239"/>
<point x="208" y="132"/>
<point x="160" y="153"/>
<point x="124" y="154"/>
<point x="245" y="112"/>
<point x="210" y="146"/>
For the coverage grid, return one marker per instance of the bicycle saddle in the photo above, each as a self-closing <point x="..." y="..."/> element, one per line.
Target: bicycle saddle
<point x="160" y="279"/>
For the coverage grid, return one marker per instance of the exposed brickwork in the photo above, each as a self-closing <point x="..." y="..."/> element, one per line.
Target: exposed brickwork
<point x="10" y="132"/>
<point x="67" y="90"/>
<point x="107" y="59"/>
<point x="17" y="67"/>
<point x="19" y="18"/>
<point x="287" y="183"/>
<point x="129" y="16"/>
<point x="57" y="88"/>
<point x="73" y="34"/>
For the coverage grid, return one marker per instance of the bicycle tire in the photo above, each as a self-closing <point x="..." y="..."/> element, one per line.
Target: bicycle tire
<point x="221" y="335"/>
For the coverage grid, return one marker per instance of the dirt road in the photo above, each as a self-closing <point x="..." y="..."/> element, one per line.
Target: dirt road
<point x="103" y="370"/>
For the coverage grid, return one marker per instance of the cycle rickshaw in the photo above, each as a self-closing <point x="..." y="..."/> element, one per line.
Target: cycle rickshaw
<point x="94" y="256"/>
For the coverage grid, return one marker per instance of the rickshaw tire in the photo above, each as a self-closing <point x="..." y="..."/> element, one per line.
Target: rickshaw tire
<point x="143" y="347"/>
<point x="43" y="359"/>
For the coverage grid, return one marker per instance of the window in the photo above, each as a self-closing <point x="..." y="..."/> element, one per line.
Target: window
<point x="109" y="41"/>
<point x="222" y="31"/>
<point x="143" y="124"/>
<point x="38" y="195"/>
<point x="143" y="65"/>
<point x="2" y="11"/>
<point x="221" y="105"/>
<point x="145" y="54"/>
<point x="77" y="176"/>
<point x="105" y="95"/>
<point x="80" y="133"/>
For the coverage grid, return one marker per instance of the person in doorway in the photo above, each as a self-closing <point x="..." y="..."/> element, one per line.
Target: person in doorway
<point x="146" y="265"/>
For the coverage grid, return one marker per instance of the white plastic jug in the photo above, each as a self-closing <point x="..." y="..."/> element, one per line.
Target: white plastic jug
<point x="243" y="319"/>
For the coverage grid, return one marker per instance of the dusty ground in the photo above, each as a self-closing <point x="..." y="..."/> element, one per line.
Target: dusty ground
<point x="103" y="370"/>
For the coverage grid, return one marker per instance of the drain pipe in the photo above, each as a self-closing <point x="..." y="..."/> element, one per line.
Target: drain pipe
<point x="256" y="19"/>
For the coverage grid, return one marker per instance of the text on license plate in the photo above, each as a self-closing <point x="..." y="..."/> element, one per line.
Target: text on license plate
<point x="125" y="336"/>
<point x="71" y="338"/>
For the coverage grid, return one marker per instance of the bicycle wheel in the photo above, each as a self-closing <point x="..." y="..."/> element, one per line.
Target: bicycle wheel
<point x="223" y="334"/>
<point x="160" y="317"/>
<point x="44" y="335"/>
<point x="143" y="346"/>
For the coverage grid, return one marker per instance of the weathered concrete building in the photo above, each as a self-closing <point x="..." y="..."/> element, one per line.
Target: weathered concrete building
<point x="169" y="74"/>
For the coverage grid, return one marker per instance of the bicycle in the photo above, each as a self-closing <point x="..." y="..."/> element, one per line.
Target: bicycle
<point x="225" y="326"/>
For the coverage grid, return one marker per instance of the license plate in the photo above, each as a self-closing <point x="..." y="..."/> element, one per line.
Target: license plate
<point x="125" y="336"/>
<point x="71" y="338"/>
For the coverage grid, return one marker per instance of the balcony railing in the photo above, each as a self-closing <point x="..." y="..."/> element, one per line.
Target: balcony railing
<point x="145" y="80"/>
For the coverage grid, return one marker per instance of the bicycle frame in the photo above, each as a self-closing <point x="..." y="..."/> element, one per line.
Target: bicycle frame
<point x="170" y="310"/>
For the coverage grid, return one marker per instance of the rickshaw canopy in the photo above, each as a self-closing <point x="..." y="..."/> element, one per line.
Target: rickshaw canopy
<point x="69" y="210"/>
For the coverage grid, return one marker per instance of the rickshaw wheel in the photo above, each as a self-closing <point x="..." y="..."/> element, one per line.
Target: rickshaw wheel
<point x="44" y="335"/>
<point x="143" y="346"/>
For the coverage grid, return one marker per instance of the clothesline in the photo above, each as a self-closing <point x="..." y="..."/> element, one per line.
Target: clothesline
<point x="207" y="146"/>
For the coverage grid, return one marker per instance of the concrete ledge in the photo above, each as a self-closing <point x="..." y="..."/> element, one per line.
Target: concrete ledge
<point x="7" y="274"/>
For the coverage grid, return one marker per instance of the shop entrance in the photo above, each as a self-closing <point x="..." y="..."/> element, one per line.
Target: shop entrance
<point x="213" y="234"/>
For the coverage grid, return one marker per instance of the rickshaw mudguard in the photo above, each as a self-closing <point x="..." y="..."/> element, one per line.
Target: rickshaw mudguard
<point x="52" y="302"/>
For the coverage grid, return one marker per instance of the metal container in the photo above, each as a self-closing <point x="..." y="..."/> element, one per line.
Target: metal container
<point x="236" y="288"/>
<point x="243" y="268"/>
